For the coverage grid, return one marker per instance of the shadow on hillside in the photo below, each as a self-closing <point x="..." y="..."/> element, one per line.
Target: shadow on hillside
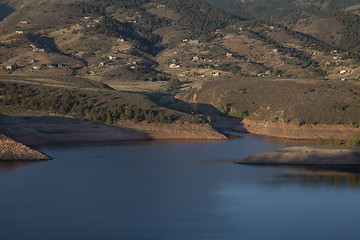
<point x="5" y="10"/>
<point x="218" y="120"/>
<point x="41" y="130"/>
<point x="49" y="44"/>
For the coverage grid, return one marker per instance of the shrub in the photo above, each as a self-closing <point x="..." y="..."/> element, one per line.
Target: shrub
<point x="335" y="141"/>
<point x="296" y="122"/>
<point x="273" y="119"/>
<point x="353" y="140"/>
<point x="320" y="141"/>
<point x="173" y="84"/>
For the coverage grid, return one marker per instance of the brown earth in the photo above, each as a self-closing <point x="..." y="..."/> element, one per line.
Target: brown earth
<point x="40" y="130"/>
<point x="304" y="132"/>
<point x="177" y="131"/>
<point x="11" y="150"/>
<point x="306" y="155"/>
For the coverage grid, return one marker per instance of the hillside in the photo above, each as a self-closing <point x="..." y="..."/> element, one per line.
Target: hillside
<point x="181" y="61"/>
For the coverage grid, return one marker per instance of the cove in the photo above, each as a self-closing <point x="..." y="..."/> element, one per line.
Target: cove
<point x="174" y="190"/>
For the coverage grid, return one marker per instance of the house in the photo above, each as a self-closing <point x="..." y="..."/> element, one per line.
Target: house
<point x="41" y="50"/>
<point x="343" y="71"/>
<point x="228" y="54"/>
<point x="8" y="67"/>
<point x="24" y="22"/>
<point x="19" y="32"/>
<point x="101" y="64"/>
<point x="173" y="65"/>
<point x="36" y="67"/>
<point x="343" y="79"/>
<point x="112" y="58"/>
<point x="185" y="40"/>
<point x="194" y="41"/>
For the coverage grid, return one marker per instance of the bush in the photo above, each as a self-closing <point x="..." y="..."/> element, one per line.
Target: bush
<point x="173" y="84"/>
<point x="273" y="119"/>
<point x="353" y="140"/>
<point x="320" y="141"/>
<point x="335" y="141"/>
<point x="296" y="122"/>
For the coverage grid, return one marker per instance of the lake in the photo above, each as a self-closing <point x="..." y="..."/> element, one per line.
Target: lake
<point x="174" y="190"/>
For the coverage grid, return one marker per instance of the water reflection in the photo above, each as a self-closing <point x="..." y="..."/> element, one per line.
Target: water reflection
<point x="10" y="165"/>
<point x="329" y="175"/>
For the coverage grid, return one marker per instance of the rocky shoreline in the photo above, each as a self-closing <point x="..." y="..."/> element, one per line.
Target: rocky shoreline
<point x="290" y="131"/>
<point x="11" y="150"/>
<point x="306" y="155"/>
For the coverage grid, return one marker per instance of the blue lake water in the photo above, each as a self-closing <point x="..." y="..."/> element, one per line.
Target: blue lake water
<point x="174" y="190"/>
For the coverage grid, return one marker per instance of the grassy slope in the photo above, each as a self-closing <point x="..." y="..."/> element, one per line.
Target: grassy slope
<point x="292" y="100"/>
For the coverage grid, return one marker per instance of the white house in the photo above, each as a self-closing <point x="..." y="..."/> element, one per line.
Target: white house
<point x="173" y="65"/>
<point x="343" y="71"/>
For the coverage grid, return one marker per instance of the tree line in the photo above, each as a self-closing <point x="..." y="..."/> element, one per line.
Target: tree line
<point x="78" y="104"/>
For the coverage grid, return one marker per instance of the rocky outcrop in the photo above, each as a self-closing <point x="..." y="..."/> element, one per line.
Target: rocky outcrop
<point x="306" y="155"/>
<point x="11" y="150"/>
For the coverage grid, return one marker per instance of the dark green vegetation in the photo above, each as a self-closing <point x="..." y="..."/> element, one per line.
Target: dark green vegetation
<point x="105" y="106"/>
<point x="200" y="17"/>
<point x="286" y="101"/>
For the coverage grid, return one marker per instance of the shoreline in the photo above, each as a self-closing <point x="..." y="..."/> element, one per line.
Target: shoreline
<point x="306" y="155"/>
<point x="290" y="131"/>
<point x="69" y="130"/>
<point x="11" y="150"/>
